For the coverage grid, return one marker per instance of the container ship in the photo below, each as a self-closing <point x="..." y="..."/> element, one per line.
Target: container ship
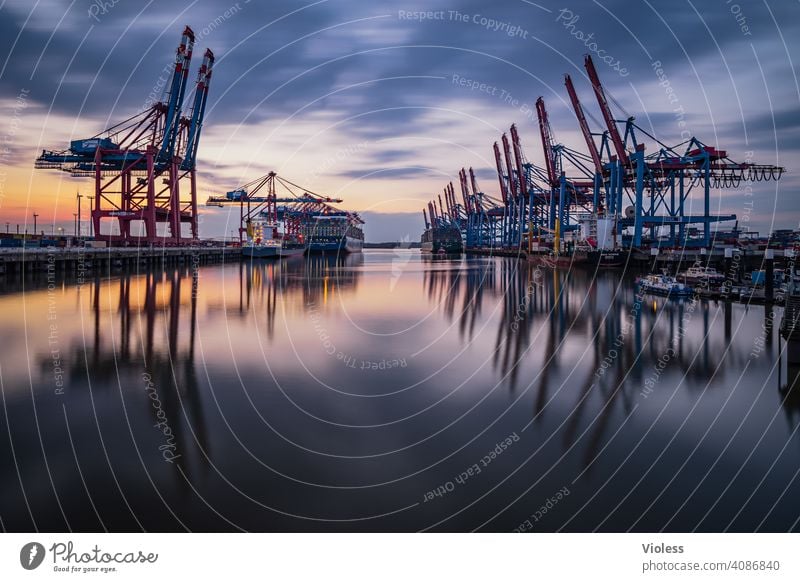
<point x="333" y="233"/>
<point x="444" y="239"/>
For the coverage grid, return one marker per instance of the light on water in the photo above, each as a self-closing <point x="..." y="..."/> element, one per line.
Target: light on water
<point x="389" y="391"/>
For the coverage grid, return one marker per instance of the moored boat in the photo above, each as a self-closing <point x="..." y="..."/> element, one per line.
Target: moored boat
<point x="664" y="285"/>
<point x="264" y="242"/>
<point x="701" y="275"/>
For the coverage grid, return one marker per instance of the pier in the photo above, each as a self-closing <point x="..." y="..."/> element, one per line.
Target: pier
<point x="18" y="261"/>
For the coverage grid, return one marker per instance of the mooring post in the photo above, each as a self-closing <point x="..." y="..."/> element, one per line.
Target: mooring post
<point x="769" y="283"/>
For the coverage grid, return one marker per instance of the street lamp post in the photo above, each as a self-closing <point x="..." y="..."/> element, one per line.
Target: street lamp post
<point x="79" y="196"/>
<point x="35" y="216"/>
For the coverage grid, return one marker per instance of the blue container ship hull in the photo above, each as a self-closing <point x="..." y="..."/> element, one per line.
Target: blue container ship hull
<point x="345" y="244"/>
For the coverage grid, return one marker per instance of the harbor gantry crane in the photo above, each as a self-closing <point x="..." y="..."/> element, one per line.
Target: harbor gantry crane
<point x="525" y="191"/>
<point x="140" y="166"/>
<point x="657" y="185"/>
<point x="259" y="198"/>
<point x="567" y="195"/>
<point x="482" y="214"/>
<point x="489" y="212"/>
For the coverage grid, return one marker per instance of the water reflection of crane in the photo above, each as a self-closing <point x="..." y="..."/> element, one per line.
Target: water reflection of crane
<point x="631" y="332"/>
<point x="122" y="356"/>
<point x="313" y="280"/>
<point x="443" y="283"/>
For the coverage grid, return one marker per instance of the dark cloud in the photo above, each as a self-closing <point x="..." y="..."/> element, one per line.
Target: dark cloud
<point x="375" y="75"/>
<point x="407" y="172"/>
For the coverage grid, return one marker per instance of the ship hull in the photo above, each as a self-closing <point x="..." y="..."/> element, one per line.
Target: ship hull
<point x="261" y="252"/>
<point x="265" y="252"/>
<point x="292" y="251"/>
<point x="665" y="292"/>
<point x="346" y="244"/>
<point x="605" y="259"/>
<point x="552" y="261"/>
<point x="447" y="248"/>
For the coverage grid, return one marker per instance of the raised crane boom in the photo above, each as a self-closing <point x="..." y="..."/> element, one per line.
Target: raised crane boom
<point x="462" y="178"/>
<point x="611" y="124"/>
<point x="587" y="134"/>
<point x="512" y="182"/>
<point x="547" y="143"/>
<point x="499" y="162"/>
<point x="198" y="110"/>
<point x="523" y="187"/>
<point x="180" y="74"/>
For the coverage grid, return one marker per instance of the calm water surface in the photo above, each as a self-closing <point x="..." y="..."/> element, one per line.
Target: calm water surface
<point x="387" y="392"/>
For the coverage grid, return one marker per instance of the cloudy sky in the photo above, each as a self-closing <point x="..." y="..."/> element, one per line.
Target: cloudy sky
<point x="365" y="100"/>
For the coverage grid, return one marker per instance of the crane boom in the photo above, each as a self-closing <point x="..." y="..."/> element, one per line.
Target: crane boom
<point x="587" y="134"/>
<point x="177" y="90"/>
<point x="512" y="182"/>
<point x="547" y="142"/>
<point x="499" y="162"/>
<point x="523" y="187"/>
<point x="605" y="109"/>
<point x="474" y="183"/>
<point x="462" y="177"/>
<point x="198" y="110"/>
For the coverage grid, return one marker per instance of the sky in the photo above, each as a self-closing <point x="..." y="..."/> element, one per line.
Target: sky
<point x="381" y="103"/>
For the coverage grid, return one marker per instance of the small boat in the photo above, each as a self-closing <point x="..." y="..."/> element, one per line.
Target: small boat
<point x="704" y="275"/>
<point x="664" y="285"/>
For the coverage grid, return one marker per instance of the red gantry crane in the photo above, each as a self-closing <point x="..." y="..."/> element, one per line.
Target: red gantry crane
<point x="144" y="168"/>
